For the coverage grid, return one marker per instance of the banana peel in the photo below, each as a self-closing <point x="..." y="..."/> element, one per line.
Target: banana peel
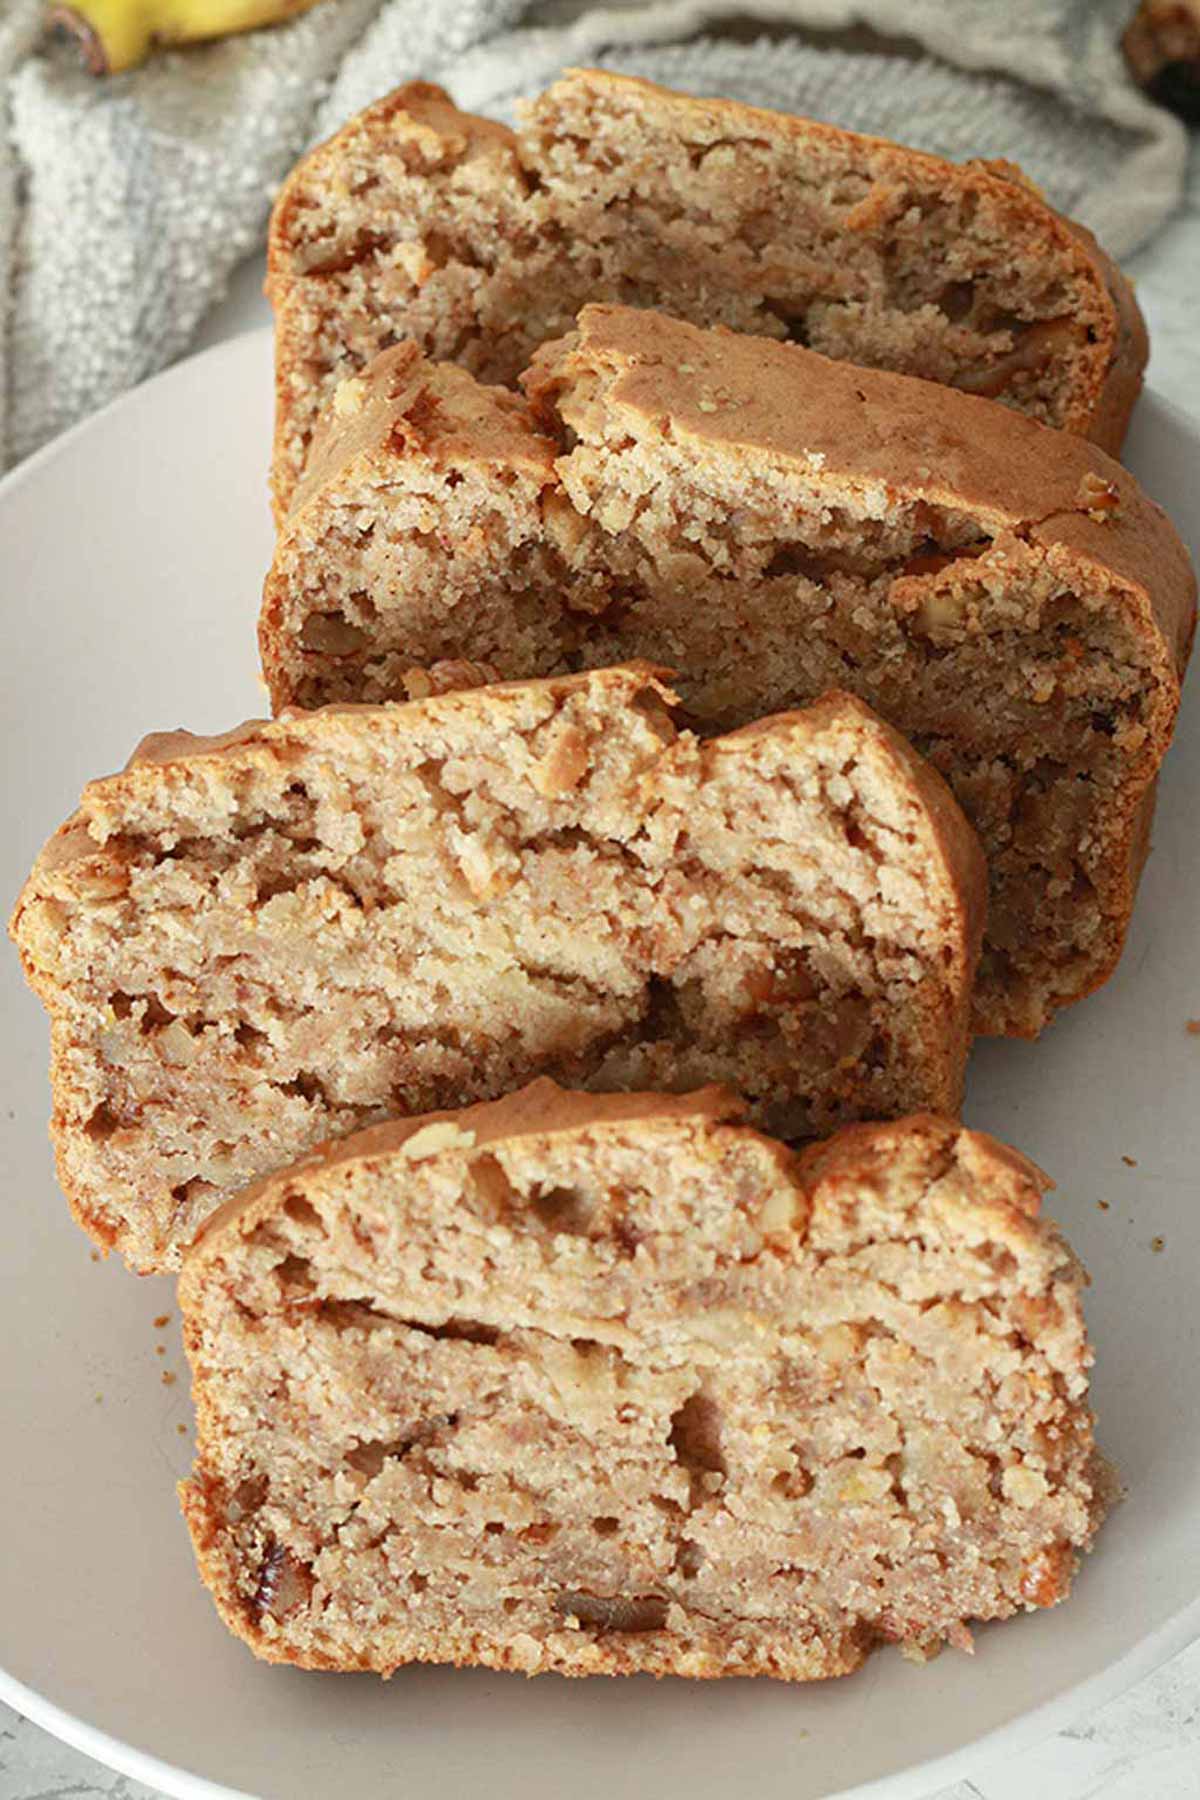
<point x="118" y="34"/>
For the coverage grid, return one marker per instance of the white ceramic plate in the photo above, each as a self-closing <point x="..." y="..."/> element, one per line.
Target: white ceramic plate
<point x="132" y="553"/>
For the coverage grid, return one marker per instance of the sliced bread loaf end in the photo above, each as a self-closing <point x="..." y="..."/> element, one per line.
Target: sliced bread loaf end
<point x="421" y="222"/>
<point x="612" y="1386"/>
<point x="769" y="524"/>
<point x="249" y="944"/>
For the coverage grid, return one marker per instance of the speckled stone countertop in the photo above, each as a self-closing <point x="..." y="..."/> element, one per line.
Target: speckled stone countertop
<point x="1143" y="1746"/>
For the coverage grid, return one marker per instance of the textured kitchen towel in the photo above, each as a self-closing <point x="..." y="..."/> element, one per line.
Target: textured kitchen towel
<point x="126" y="202"/>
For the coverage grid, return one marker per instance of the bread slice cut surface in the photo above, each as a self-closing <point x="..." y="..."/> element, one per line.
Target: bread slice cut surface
<point x="421" y="222"/>
<point x="769" y="524"/>
<point x="249" y="944"/>
<point x="606" y="1386"/>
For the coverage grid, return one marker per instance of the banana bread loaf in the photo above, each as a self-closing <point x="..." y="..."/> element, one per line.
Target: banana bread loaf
<point x="248" y="944"/>
<point x="419" y="221"/>
<point x="615" y="1385"/>
<point x="770" y="524"/>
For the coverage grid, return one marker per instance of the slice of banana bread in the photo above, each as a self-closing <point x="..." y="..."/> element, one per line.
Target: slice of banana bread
<point x="248" y="944"/>
<point x="419" y="221"/>
<point x="618" y="1385"/>
<point x="771" y="524"/>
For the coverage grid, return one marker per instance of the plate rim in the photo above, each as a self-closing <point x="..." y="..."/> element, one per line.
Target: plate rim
<point x="916" y="1781"/>
<point x="64" y="440"/>
<point x="911" y="1782"/>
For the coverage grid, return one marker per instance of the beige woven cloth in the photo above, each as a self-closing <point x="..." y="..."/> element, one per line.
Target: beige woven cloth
<point x="126" y="203"/>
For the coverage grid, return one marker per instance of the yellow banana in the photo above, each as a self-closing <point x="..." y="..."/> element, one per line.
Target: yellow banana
<point x="116" y="34"/>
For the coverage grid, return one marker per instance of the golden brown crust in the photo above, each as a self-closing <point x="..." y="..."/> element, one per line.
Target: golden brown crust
<point x="300" y="726"/>
<point x="1114" y="401"/>
<point x="791" y="406"/>
<point x="1104" y="388"/>
<point x="856" y="1152"/>
<point x="541" y="1108"/>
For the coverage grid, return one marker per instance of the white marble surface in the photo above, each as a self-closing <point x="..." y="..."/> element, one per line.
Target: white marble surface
<point x="1143" y="1746"/>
